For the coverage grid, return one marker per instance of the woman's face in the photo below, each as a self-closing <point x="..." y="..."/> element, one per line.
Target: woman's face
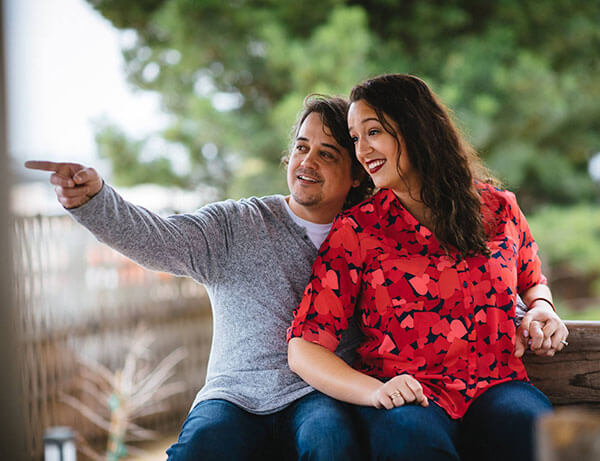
<point x="377" y="150"/>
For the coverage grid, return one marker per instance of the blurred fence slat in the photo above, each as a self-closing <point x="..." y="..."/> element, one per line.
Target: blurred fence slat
<point x="77" y="295"/>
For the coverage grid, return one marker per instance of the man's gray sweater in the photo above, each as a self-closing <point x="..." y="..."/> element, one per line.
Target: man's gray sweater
<point x="255" y="263"/>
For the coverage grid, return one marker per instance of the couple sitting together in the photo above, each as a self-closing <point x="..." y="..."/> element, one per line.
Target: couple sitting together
<point x="405" y="334"/>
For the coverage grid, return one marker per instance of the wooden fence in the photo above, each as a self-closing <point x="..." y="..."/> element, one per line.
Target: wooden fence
<point x="78" y="297"/>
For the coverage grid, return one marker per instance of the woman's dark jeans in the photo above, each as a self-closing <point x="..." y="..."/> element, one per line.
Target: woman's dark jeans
<point x="499" y="425"/>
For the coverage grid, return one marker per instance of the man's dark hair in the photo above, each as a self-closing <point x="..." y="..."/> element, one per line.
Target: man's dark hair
<point x="334" y="113"/>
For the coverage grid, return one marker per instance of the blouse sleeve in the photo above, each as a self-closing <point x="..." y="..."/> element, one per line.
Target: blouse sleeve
<point x="331" y="294"/>
<point x="529" y="266"/>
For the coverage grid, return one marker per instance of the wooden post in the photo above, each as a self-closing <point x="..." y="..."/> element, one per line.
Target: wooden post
<point x="568" y="434"/>
<point x="12" y="445"/>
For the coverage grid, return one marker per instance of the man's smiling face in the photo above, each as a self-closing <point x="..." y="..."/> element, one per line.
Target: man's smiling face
<point x="319" y="173"/>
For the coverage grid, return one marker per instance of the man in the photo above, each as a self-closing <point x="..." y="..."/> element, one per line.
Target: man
<point x="254" y="256"/>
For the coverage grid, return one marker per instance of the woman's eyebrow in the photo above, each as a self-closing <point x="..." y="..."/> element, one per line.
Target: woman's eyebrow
<point x="365" y="120"/>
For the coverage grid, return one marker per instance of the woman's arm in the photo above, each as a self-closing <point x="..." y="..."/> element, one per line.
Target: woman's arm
<point x="539" y="293"/>
<point x="325" y="371"/>
<point x="541" y="324"/>
<point x="541" y="327"/>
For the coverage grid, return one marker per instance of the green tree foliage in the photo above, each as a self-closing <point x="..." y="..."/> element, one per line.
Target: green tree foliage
<point x="126" y="157"/>
<point x="520" y="75"/>
<point x="569" y="241"/>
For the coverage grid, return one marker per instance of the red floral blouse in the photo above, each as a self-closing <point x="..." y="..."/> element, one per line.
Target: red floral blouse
<point x="448" y="322"/>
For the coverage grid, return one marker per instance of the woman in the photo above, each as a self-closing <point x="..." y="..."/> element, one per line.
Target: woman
<point x="431" y="265"/>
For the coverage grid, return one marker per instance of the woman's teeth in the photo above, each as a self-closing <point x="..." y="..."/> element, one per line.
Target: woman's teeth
<point x="375" y="164"/>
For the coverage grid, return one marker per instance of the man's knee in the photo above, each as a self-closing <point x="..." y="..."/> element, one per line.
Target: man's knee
<point x="215" y="430"/>
<point x="329" y="439"/>
<point x="202" y="440"/>
<point x="323" y="429"/>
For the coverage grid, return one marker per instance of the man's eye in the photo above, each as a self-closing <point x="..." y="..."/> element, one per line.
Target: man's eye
<point x="327" y="155"/>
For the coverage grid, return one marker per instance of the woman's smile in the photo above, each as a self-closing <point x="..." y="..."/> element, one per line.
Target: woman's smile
<point x="373" y="166"/>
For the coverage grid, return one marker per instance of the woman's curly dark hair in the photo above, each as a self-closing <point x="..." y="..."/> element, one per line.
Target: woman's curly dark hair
<point x="446" y="164"/>
<point x="334" y="112"/>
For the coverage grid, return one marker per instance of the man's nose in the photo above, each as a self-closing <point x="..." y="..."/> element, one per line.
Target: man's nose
<point x="310" y="159"/>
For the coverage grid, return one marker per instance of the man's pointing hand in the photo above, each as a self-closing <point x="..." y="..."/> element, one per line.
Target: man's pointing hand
<point x="75" y="184"/>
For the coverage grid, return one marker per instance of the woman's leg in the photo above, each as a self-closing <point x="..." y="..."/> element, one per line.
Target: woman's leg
<point x="499" y="424"/>
<point x="219" y="430"/>
<point x="410" y="432"/>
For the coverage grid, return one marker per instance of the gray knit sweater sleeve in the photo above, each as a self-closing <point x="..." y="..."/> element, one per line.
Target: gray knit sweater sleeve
<point x="255" y="263"/>
<point x="193" y="244"/>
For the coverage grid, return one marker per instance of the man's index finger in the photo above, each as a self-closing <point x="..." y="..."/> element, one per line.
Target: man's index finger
<point x="43" y="165"/>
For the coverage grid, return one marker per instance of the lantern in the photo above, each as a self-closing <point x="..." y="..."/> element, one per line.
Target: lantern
<point x="59" y="444"/>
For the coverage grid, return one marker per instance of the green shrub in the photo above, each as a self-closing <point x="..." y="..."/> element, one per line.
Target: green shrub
<point x="569" y="238"/>
<point x="569" y="242"/>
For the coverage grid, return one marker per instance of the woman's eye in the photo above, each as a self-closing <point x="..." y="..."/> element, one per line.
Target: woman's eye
<point x="373" y="131"/>
<point x="354" y="139"/>
<point x="300" y="147"/>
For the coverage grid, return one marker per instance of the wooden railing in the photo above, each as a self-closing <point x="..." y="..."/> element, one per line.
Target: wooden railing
<point x="77" y="297"/>
<point x="571" y="377"/>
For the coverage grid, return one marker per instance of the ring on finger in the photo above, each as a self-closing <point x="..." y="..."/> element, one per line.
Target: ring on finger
<point x="564" y="342"/>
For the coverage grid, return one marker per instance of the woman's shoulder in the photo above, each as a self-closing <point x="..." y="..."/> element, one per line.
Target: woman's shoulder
<point x="493" y="193"/>
<point x="355" y="224"/>
<point x="497" y="200"/>
<point x="368" y="210"/>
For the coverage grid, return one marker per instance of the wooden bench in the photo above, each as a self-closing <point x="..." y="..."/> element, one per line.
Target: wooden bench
<point x="571" y="380"/>
<point x="571" y="377"/>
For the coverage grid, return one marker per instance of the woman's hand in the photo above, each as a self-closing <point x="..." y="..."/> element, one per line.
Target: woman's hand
<point x="541" y="329"/>
<point x="398" y="391"/>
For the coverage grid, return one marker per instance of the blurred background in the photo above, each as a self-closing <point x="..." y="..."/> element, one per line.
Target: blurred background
<point x="181" y="102"/>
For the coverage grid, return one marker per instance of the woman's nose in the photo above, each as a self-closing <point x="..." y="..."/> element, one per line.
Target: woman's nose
<point x="361" y="147"/>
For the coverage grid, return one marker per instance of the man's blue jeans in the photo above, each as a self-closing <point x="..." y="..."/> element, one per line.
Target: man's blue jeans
<point x="315" y="427"/>
<point x="499" y="425"/>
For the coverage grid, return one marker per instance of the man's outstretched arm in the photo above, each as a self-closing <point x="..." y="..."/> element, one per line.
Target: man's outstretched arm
<point x="189" y="244"/>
